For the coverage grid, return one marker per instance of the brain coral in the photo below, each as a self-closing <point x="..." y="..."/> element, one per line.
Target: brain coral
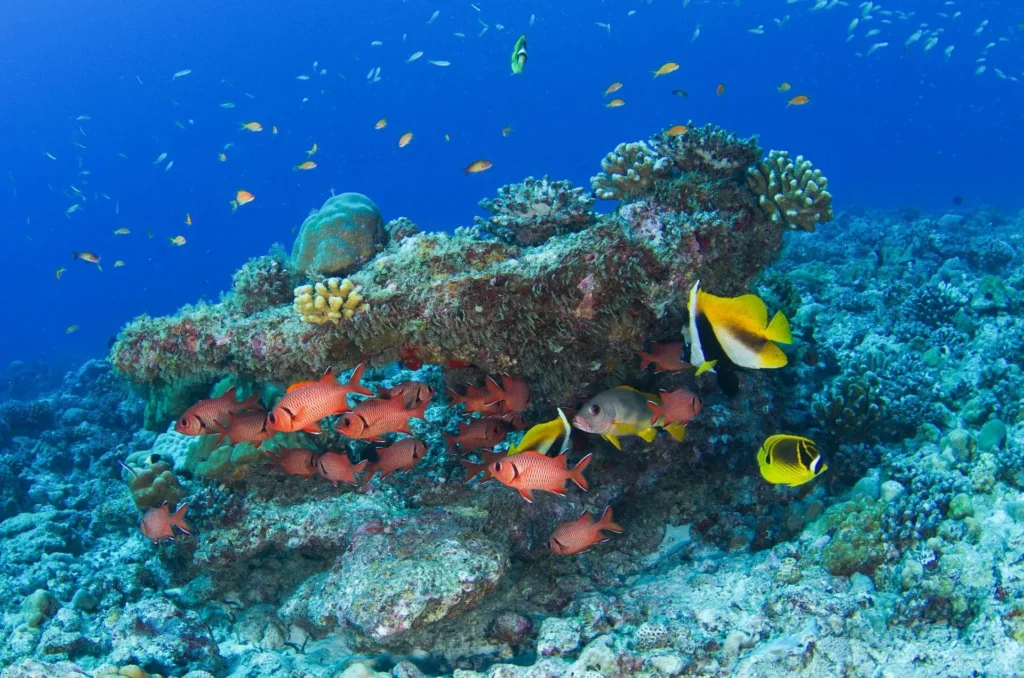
<point x="340" y="236"/>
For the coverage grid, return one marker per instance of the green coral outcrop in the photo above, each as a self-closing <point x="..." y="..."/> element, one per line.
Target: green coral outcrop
<point x="343" y="234"/>
<point x="791" y="191"/>
<point x="858" y="541"/>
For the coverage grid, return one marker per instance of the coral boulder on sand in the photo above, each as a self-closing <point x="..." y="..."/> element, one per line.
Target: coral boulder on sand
<point x="562" y="315"/>
<point x="339" y="237"/>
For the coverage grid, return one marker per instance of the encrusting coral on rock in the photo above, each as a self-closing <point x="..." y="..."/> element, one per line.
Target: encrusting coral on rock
<point x="529" y="213"/>
<point x="791" y="191"/>
<point x="329" y="301"/>
<point x="630" y="171"/>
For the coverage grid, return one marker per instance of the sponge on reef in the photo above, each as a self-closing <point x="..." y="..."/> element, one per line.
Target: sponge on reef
<point x="331" y="300"/>
<point x="792" y="192"/>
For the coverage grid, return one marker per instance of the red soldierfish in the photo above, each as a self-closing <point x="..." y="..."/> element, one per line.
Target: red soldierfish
<point x="664" y="357"/>
<point x="247" y="427"/>
<point x="158" y="523"/>
<point x="295" y="461"/>
<point x="373" y="418"/>
<point x="338" y="468"/>
<point x="208" y="415"/>
<point x="577" y="536"/>
<point x="515" y="393"/>
<point x="485" y="399"/>
<point x="484" y="466"/>
<point x="677" y="407"/>
<point x="531" y="471"/>
<point x="307" y="402"/>
<point x="486" y="432"/>
<point x="412" y="393"/>
<point x="401" y="456"/>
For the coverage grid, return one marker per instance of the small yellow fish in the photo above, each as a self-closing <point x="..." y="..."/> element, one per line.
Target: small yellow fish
<point x="118" y="264"/>
<point x="71" y="329"/>
<point x="404" y="140"/>
<point x="60" y="272"/>
<point x="381" y="124"/>
<point x="542" y="437"/>
<point x="308" y="165"/>
<point x="122" y="231"/>
<point x="188" y="218"/>
<point x="799" y="100"/>
<point x="178" y="240"/>
<point x="222" y="157"/>
<point x="252" y="126"/>
<point x="666" y="68"/>
<point x="614" y="87"/>
<point x="615" y="103"/>
<point x="785" y="87"/>
<point x="676" y="130"/>
<point x="273" y="129"/>
<point x="478" y="166"/>
<point x="311" y="152"/>
<point x="244" y="197"/>
<point x="790" y="460"/>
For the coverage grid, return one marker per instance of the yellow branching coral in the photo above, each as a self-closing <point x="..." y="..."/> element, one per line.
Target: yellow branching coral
<point x="331" y="300"/>
<point x="791" y="191"/>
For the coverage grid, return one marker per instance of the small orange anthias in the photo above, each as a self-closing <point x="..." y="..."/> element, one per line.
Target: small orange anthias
<point x="412" y="393"/>
<point x="577" y="536"/>
<point x="677" y="407"/>
<point x="373" y="418"/>
<point x="307" y="402"/>
<point x="487" y="458"/>
<point x="247" y="427"/>
<point x="529" y="471"/>
<point x="159" y="523"/>
<point x="338" y="468"/>
<point x="401" y="456"/>
<point x="208" y="416"/>
<point x="664" y="357"/>
<point x="486" y="432"/>
<point x="295" y="461"/>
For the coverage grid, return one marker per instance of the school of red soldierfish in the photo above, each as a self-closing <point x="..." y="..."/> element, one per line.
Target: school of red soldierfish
<point x="501" y="408"/>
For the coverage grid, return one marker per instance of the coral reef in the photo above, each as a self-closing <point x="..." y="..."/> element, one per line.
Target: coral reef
<point x="630" y="171"/>
<point x="529" y="213"/>
<point x="329" y="301"/>
<point x="791" y="191"/>
<point x="345" y="232"/>
<point x="261" y="283"/>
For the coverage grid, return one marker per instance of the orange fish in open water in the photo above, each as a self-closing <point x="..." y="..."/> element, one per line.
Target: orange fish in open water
<point x="210" y="415"/>
<point x="486" y="432"/>
<point x="307" y="402"/>
<point x="530" y="471"/>
<point x="338" y="468"/>
<point x="720" y="90"/>
<point x="664" y="357"/>
<point x="295" y="461"/>
<point x="159" y="523"/>
<point x="401" y="456"/>
<point x="577" y="536"/>
<point x="478" y="166"/>
<point x="799" y="100"/>
<point x="404" y="140"/>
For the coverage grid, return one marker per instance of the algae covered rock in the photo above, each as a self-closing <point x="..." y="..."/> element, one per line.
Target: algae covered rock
<point x="156" y="634"/>
<point x="346" y="232"/>
<point x="427" y="569"/>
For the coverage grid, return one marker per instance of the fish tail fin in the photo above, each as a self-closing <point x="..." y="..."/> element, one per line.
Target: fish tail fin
<point x="252" y="403"/>
<point x="456" y="397"/>
<point x="706" y="366"/>
<point x="648" y="434"/>
<point x="778" y="329"/>
<point x="576" y="473"/>
<point x="471" y="468"/>
<point x="494" y="391"/>
<point x="371" y="471"/>
<point x="353" y="384"/>
<point x="657" y="411"/>
<point x="359" y="468"/>
<point x="645" y="359"/>
<point x="677" y="431"/>
<point x="449" y="442"/>
<point x="178" y="519"/>
<point x="606" y="522"/>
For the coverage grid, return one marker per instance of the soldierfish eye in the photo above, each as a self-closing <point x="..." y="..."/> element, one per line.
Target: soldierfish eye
<point x="271" y="418"/>
<point x="497" y="467"/>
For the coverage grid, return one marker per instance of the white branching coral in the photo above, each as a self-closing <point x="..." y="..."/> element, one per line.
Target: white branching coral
<point x="329" y="301"/>
<point x="630" y="171"/>
<point x="791" y="191"/>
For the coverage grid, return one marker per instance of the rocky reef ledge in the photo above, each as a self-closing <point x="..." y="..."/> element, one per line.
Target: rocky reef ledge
<point x="544" y="289"/>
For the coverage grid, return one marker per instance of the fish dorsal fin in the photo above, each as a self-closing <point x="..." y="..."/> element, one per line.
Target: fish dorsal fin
<point x="778" y="329"/>
<point x="329" y="378"/>
<point x="230" y="393"/>
<point x="647" y="396"/>
<point x="300" y="384"/>
<point x="746" y="311"/>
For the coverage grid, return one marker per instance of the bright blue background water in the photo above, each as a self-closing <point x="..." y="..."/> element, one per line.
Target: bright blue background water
<point x="888" y="129"/>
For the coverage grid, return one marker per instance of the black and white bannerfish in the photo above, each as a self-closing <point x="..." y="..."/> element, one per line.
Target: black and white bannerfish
<point x="730" y="333"/>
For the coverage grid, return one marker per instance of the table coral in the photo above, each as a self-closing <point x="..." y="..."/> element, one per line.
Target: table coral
<point x="791" y="191"/>
<point x="329" y="301"/>
<point x="530" y="212"/>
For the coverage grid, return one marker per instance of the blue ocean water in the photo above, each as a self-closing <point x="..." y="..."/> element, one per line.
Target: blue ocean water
<point x="896" y="126"/>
